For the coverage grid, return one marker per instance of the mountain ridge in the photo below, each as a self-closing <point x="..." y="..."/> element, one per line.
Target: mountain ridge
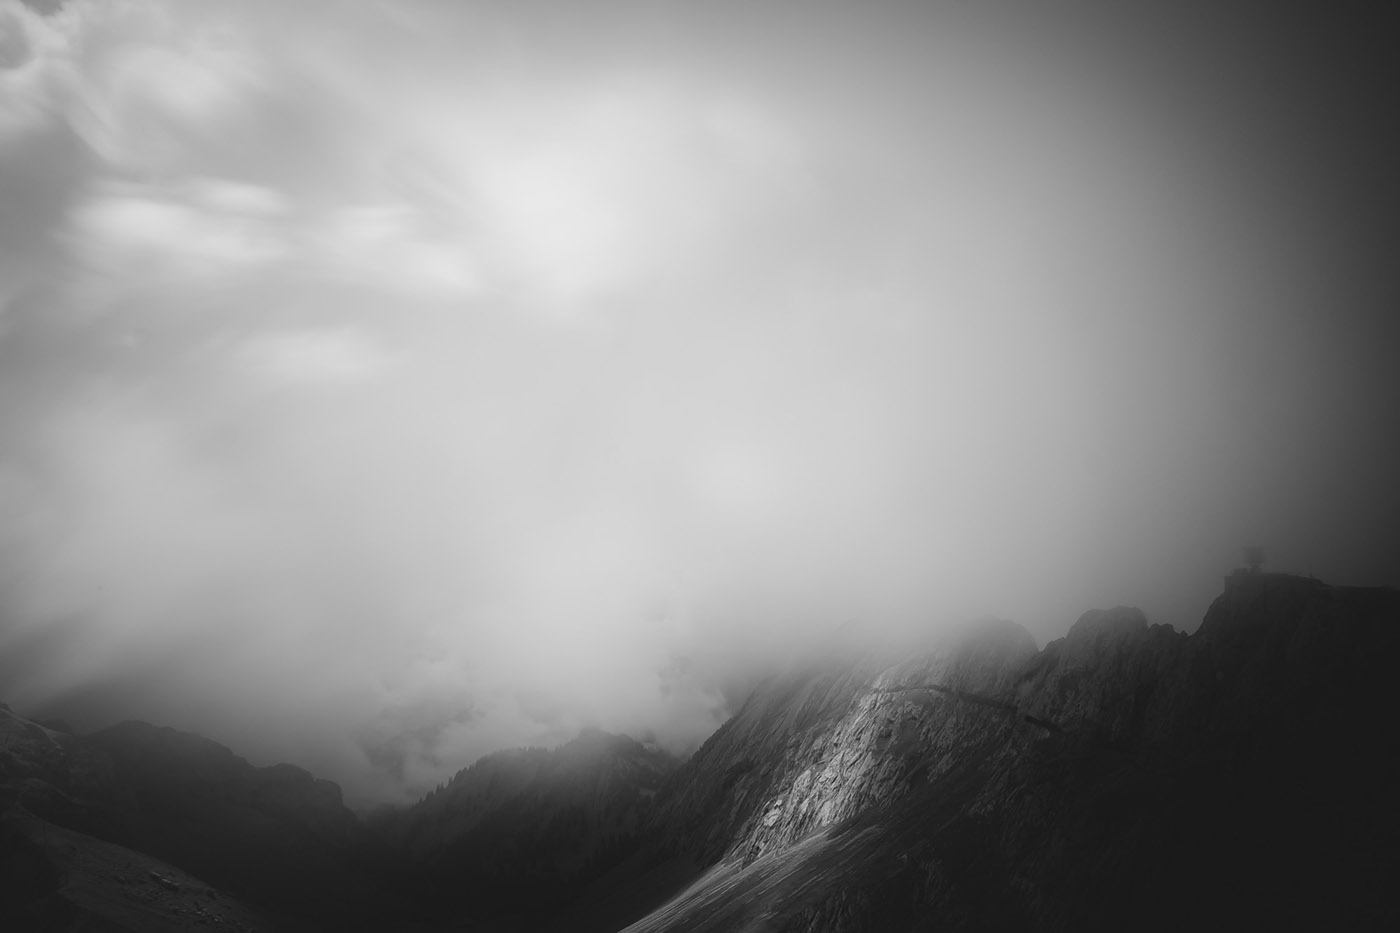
<point x="975" y="805"/>
<point x="1126" y="774"/>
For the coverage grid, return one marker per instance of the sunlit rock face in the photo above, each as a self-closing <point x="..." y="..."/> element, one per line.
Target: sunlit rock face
<point x="813" y="749"/>
<point x="1125" y="776"/>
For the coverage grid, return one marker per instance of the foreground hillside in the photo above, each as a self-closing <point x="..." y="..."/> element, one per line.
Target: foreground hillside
<point x="113" y="830"/>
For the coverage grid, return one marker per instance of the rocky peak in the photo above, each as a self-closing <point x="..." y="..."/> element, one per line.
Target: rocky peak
<point x="1101" y="675"/>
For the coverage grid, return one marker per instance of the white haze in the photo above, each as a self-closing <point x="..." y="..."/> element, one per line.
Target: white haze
<point x="382" y="384"/>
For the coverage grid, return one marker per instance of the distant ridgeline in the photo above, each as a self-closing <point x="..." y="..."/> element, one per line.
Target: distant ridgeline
<point x="1126" y="776"/>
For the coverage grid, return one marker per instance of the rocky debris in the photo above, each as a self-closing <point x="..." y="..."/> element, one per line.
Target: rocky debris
<point x="167" y="883"/>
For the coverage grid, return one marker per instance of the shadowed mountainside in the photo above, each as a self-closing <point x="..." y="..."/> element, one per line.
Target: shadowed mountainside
<point x="137" y="794"/>
<point x="57" y="879"/>
<point x="92" y="830"/>
<point x="513" y="839"/>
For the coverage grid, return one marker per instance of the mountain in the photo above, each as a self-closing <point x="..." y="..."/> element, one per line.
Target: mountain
<point x="61" y="866"/>
<point x="513" y="839"/>
<point x="52" y="878"/>
<point x="139" y="827"/>
<point x="1126" y="776"/>
<point x="140" y="801"/>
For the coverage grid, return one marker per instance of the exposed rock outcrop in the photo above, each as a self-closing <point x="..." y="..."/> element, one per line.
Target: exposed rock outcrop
<point x="815" y="748"/>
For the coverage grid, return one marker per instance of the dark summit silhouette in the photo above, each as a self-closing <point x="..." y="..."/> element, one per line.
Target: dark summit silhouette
<point x="1126" y="776"/>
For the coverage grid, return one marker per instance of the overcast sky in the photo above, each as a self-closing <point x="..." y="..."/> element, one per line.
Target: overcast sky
<point x="454" y="375"/>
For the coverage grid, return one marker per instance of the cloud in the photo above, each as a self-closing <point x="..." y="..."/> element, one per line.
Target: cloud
<point x="604" y="186"/>
<point x="529" y="191"/>
<point x="393" y="247"/>
<point x="381" y="385"/>
<point x="15" y="51"/>
<point x="36" y="69"/>
<point x="327" y="356"/>
<point x="135" y="235"/>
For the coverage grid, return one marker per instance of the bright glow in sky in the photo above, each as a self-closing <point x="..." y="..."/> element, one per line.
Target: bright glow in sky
<point x="382" y="384"/>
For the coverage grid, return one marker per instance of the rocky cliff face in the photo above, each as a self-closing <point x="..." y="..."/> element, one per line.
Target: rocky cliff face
<point x="1125" y="776"/>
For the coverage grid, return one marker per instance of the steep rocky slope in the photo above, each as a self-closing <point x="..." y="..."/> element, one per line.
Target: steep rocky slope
<point x="819" y="746"/>
<point x="1125" y="776"/>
